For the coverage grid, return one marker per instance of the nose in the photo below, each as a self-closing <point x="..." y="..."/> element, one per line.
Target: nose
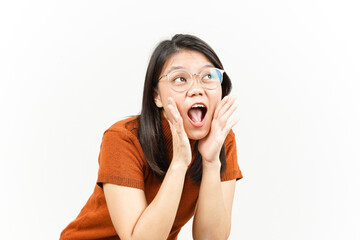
<point x="196" y="87"/>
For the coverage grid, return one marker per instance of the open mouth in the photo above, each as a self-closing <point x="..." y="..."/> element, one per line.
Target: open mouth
<point x="197" y="114"/>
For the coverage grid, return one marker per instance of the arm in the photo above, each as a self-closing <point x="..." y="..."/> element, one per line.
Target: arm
<point x="212" y="218"/>
<point x="131" y="216"/>
<point x="134" y="219"/>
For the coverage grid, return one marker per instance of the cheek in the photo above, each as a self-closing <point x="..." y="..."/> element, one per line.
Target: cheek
<point x="215" y="99"/>
<point x="164" y="95"/>
<point x="180" y="106"/>
<point x="179" y="100"/>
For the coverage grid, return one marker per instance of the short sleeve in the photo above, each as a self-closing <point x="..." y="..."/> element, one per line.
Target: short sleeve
<point x="232" y="167"/>
<point x="120" y="161"/>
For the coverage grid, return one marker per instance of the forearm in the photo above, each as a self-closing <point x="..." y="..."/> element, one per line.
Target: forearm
<point x="211" y="220"/>
<point x="157" y="219"/>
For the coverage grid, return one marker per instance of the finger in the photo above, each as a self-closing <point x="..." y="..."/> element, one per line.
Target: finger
<point x="173" y="103"/>
<point x="173" y="115"/>
<point x="177" y="119"/>
<point x="229" y="112"/>
<point x="176" y="123"/>
<point x="171" y="125"/>
<point x="173" y="109"/>
<point x="227" y="105"/>
<point x="231" y="124"/>
<point x="220" y="105"/>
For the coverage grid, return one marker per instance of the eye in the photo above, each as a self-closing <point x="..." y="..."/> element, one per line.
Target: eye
<point x="208" y="76"/>
<point x="179" y="80"/>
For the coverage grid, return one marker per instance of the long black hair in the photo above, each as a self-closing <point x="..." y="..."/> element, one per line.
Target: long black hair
<point x="150" y="131"/>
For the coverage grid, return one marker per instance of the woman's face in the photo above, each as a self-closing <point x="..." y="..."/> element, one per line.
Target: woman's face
<point x="197" y="120"/>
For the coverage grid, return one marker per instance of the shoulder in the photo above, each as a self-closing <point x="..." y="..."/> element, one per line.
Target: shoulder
<point x="230" y="138"/>
<point x="124" y="133"/>
<point x="232" y="167"/>
<point x="230" y="144"/>
<point x="121" y="158"/>
<point x="121" y="139"/>
<point x="126" y="127"/>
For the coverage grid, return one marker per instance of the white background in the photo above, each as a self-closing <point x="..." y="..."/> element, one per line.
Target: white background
<point x="70" y="69"/>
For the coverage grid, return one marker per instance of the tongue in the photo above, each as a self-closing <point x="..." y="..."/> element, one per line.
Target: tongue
<point x="195" y="114"/>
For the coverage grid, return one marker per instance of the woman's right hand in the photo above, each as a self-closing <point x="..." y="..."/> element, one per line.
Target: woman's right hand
<point x="181" y="144"/>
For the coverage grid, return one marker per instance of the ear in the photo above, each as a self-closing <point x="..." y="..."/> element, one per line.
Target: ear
<point x="157" y="99"/>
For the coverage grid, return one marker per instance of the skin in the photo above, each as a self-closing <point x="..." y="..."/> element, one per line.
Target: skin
<point x="132" y="217"/>
<point x="177" y="104"/>
<point x="193" y="62"/>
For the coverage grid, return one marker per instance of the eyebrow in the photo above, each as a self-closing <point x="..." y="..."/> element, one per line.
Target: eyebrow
<point x="181" y="67"/>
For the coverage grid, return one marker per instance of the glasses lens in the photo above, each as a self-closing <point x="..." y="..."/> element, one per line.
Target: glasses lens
<point x="211" y="78"/>
<point x="179" y="80"/>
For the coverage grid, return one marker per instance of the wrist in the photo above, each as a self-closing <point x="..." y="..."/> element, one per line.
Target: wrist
<point x="178" y="165"/>
<point x="213" y="164"/>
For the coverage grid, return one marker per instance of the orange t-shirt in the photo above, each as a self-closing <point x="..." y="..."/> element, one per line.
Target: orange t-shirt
<point x="122" y="162"/>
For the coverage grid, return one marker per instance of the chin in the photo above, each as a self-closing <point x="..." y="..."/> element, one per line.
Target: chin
<point x="197" y="134"/>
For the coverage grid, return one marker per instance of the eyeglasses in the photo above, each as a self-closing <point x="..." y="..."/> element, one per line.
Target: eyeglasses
<point x="180" y="80"/>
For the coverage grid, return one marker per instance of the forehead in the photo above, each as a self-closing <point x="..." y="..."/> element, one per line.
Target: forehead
<point x="189" y="60"/>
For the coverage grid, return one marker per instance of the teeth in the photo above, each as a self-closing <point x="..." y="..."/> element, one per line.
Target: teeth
<point x="198" y="105"/>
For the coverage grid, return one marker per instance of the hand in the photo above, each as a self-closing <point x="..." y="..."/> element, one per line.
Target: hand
<point x="181" y="144"/>
<point x="210" y="146"/>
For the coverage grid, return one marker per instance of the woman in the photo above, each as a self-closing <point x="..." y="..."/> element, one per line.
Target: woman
<point x="176" y="160"/>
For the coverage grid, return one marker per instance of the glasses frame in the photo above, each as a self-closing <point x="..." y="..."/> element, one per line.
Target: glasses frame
<point x="191" y="78"/>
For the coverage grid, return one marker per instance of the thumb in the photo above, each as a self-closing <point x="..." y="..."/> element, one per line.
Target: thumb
<point x="171" y="126"/>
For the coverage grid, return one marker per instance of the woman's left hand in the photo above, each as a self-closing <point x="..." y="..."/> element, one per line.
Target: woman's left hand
<point x="210" y="146"/>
